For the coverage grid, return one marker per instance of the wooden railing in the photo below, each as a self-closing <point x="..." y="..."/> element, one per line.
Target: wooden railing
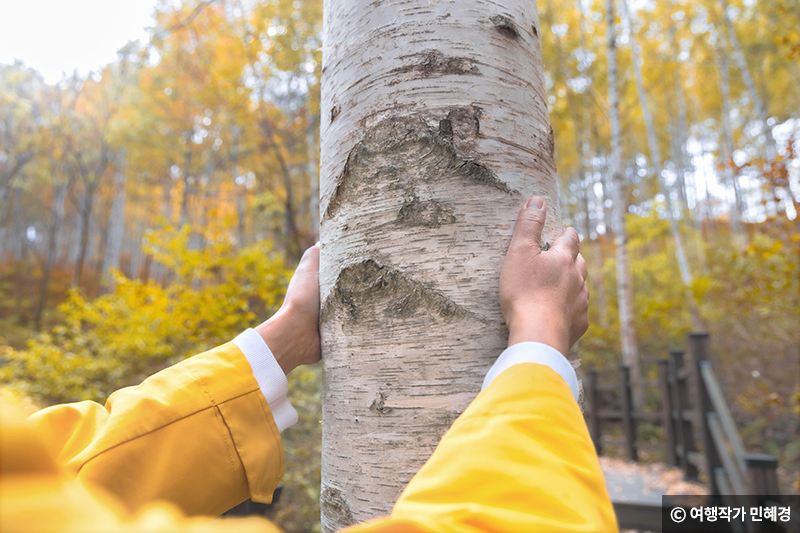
<point x="691" y="402"/>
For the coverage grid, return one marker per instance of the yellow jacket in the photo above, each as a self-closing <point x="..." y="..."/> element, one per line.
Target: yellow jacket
<point x="198" y="438"/>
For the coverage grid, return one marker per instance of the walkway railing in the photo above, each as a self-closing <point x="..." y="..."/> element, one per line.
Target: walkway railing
<point x="691" y="404"/>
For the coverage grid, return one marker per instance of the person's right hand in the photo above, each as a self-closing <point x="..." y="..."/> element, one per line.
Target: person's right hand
<point x="543" y="294"/>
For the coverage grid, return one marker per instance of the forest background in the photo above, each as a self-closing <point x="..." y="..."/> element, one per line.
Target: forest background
<point x="157" y="207"/>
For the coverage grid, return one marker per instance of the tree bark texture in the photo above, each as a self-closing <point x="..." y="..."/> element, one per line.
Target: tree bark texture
<point x="434" y="132"/>
<point x="630" y="352"/>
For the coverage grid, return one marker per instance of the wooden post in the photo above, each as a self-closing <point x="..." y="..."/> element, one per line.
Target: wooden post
<point x="762" y="480"/>
<point x="667" y="411"/>
<point x="698" y="346"/>
<point x="593" y="398"/>
<point x="762" y="475"/>
<point x="680" y="401"/>
<point x="628" y="421"/>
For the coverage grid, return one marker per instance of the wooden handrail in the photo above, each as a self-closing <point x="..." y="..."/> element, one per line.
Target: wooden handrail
<point x="728" y="499"/>
<point x="728" y="462"/>
<point x="609" y="414"/>
<point x="718" y="401"/>
<point x="647" y="415"/>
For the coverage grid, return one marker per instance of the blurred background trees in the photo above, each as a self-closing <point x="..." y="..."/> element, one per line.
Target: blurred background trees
<point x="156" y="207"/>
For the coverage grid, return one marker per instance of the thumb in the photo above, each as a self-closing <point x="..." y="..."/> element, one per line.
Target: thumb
<point x="530" y="223"/>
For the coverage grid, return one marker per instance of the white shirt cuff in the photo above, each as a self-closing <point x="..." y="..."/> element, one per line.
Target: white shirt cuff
<point x="534" y="352"/>
<point x="269" y="376"/>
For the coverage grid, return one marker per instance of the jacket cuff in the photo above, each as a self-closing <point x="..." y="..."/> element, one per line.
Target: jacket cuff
<point x="269" y="376"/>
<point x="534" y="352"/>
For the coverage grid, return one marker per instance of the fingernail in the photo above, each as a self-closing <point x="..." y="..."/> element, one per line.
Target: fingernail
<point x="535" y="202"/>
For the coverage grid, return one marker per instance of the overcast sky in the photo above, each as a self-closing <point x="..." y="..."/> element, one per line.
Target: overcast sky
<point x="57" y="36"/>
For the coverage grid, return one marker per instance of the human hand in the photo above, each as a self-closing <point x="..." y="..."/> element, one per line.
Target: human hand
<point x="543" y="294"/>
<point x="292" y="333"/>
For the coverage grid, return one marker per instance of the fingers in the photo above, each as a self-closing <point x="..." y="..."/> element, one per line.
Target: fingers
<point x="311" y="256"/>
<point x="530" y="223"/>
<point x="580" y="262"/>
<point x="569" y="241"/>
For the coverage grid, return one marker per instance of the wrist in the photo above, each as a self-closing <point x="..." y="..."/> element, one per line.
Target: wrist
<point x="542" y="327"/>
<point x="277" y="334"/>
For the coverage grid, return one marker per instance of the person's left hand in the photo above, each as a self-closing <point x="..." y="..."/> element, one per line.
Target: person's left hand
<point x="292" y="333"/>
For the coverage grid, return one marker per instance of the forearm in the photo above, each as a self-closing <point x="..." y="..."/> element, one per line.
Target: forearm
<point x="518" y="459"/>
<point x="199" y="434"/>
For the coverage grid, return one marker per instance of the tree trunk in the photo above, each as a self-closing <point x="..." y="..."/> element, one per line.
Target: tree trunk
<point x="682" y="154"/>
<point x="760" y="110"/>
<point x="239" y="190"/>
<point x="655" y="161"/>
<point x="727" y="146"/>
<point x="630" y="353"/>
<point x="313" y="172"/>
<point x="19" y="233"/>
<point x="57" y="218"/>
<point x="434" y="133"/>
<point x="116" y="219"/>
<point x="187" y="190"/>
<point x="87" y="204"/>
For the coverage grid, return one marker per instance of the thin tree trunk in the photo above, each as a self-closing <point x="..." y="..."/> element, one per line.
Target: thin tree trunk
<point x="761" y="111"/>
<point x="56" y="221"/>
<point x="655" y="161"/>
<point x="727" y="147"/>
<point x="136" y="253"/>
<point x="187" y="190"/>
<point x="293" y="247"/>
<point x="87" y="204"/>
<point x="19" y="234"/>
<point x="433" y="136"/>
<point x="239" y="190"/>
<point x="313" y="173"/>
<point x="684" y="163"/>
<point x="116" y="219"/>
<point x="630" y="353"/>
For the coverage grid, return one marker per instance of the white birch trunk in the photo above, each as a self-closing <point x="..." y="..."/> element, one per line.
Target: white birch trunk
<point x="630" y="352"/>
<point x="434" y="132"/>
<point x="761" y="112"/>
<point x="656" y="163"/>
<point x="116" y="219"/>
<point x="727" y="145"/>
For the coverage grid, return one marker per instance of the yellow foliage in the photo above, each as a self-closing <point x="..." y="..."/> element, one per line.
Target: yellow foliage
<point x="128" y="334"/>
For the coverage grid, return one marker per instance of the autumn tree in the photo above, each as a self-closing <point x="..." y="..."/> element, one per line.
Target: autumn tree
<point x="431" y="143"/>
<point x="630" y="354"/>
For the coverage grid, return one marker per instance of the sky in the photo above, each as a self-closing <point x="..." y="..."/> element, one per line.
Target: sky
<point x="59" y="36"/>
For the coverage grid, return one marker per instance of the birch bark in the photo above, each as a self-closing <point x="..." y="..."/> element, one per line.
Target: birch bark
<point x="116" y="219"/>
<point x="434" y="132"/>
<point x="727" y="144"/>
<point x="630" y="352"/>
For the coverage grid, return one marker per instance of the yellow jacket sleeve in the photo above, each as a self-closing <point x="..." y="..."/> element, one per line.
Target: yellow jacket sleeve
<point x="198" y="435"/>
<point x="519" y="459"/>
<point x="198" y="438"/>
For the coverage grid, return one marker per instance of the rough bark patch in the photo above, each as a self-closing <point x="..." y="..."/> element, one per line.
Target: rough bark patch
<point x="362" y="289"/>
<point x="505" y="25"/>
<point x="335" y="507"/>
<point x="401" y="152"/>
<point x="379" y="404"/>
<point x="432" y="63"/>
<point x="431" y="213"/>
